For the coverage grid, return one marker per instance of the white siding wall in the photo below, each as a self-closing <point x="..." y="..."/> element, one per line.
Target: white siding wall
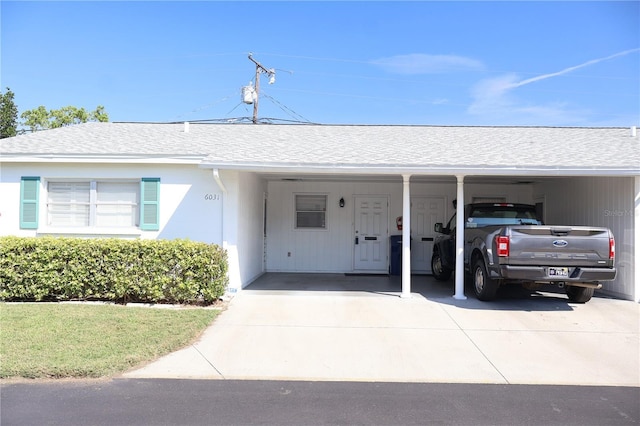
<point x="331" y="250"/>
<point x="243" y="226"/>
<point x="251" y="226"/>
<point x="185" y="212"/>
<point x="598" y="201"/>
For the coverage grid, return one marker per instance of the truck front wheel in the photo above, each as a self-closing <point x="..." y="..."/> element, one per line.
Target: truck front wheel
<point x="484" y="287"/>
<point x="579" y="294"/>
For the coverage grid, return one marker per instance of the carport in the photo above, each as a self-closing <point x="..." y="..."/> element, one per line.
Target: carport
<point x="577" y="200"/>
<point x="579" y="176"/>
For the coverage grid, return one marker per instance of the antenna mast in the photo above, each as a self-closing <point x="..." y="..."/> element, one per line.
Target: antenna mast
<point x="272" y="78"/>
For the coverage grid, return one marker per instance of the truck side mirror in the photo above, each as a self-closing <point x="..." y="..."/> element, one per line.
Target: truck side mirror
<point x="439" y="228"/>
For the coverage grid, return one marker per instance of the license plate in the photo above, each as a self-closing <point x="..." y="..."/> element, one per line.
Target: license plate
<point x="559" y="272"/>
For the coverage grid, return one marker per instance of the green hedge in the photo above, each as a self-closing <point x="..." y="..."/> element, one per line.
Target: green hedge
<point x="152" y="271"/>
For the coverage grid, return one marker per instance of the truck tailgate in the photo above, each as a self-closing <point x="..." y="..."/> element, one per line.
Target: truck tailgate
<point x="559" y="246"/>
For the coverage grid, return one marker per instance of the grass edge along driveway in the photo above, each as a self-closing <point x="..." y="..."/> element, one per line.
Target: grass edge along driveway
<point x="59" y="340"/>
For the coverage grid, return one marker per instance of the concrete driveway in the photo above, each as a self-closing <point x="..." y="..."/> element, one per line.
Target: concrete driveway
<point x="357" y="328"/>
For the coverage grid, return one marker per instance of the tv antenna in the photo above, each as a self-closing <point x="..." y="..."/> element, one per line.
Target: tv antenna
<point x="250" y="93"/>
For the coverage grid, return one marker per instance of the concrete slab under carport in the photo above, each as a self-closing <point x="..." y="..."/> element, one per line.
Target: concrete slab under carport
<point x="294" y="327"/>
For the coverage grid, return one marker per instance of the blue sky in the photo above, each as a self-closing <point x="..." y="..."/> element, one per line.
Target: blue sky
<point x="441" y="63"/>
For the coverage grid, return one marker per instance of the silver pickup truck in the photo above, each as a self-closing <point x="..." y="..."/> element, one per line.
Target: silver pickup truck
<point x="506" y="243"/>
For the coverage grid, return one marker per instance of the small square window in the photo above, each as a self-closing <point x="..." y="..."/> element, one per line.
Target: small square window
<point x="311" y="211"/>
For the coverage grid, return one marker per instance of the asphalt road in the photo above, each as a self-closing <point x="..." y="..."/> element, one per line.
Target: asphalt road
<point x="220" y="402"/>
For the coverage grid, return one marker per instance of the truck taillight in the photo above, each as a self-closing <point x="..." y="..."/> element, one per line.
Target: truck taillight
<point x="502" y="245"/>
<point x="612" y="248"/>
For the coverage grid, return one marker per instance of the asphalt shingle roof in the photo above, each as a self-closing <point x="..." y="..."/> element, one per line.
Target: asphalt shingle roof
<point x="348" y="146"/>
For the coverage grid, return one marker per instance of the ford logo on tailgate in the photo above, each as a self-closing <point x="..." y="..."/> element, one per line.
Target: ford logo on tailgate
<point x="560" y="243"/>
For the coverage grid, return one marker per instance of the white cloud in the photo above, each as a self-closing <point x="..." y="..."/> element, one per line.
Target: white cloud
<point x="420" y="63"/>
<point x="570" y="69"/>
<point x="494" y="98"/>
<point x="492" y="95"/>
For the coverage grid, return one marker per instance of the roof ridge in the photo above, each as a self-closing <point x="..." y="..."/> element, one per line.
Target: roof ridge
<point x="209" y="123"/>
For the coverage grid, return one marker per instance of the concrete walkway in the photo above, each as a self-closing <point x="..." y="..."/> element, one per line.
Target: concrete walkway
<point x="333" y="327"/>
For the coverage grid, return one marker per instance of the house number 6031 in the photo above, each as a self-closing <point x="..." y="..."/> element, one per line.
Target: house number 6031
<point x="211" y="197"/>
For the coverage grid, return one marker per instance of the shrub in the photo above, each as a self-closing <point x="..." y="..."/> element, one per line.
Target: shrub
<point x="152" y="271"/>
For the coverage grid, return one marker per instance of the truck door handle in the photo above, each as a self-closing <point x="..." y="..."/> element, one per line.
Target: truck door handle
<point x="427" y="238"/>
<point x="356" y="240"/>
<point x="370" y="238"/>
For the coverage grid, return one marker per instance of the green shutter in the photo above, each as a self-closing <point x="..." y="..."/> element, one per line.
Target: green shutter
<point x="150" y="204"/>
<point x="29" y="195"/>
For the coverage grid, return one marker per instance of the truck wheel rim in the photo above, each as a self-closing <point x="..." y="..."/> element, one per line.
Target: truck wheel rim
<point x="437" y="265"/>
<point x="479" y="279"/>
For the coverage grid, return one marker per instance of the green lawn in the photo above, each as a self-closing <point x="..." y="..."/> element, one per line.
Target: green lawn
<point x="50" y="340"/>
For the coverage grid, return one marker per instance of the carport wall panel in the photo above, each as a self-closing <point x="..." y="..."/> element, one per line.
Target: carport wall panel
<point x="250" y="222"/>
<point x="598" y="201"/>
<point x="316" y="250"/>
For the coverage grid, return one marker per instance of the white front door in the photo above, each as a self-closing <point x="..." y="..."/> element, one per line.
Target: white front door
<point x="371" y="234"/>
<point x="425" y="212"/>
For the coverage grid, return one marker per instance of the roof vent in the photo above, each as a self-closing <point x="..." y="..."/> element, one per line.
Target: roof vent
<point x="186" y="127"/>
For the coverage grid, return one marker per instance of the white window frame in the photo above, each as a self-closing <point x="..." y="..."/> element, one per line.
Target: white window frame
<point x="325" y="225"/>
<point x="93" y="204"/>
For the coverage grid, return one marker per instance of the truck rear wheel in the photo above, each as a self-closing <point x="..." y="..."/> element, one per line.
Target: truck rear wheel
<point x="440" y="273"/>
<point x="484" y="287"/>
<point x="579" y="294"/>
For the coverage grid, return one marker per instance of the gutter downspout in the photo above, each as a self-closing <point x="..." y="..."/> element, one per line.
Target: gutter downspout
<point x="216" y="176"/>
<point x="231" y="289"/>
<point x="218" y="179"/>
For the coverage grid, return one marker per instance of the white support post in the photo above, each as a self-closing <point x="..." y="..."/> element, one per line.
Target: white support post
<point x="636" y="240"/>
<point x="406" y="237"/>
<point x="459" y="294"/>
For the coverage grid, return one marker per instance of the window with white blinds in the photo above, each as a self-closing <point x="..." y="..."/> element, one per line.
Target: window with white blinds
<point x="68" y="203"/>
<point x="311" y="211"/>
<point x="117" y="204"/>
<point x="92" y="203"/>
